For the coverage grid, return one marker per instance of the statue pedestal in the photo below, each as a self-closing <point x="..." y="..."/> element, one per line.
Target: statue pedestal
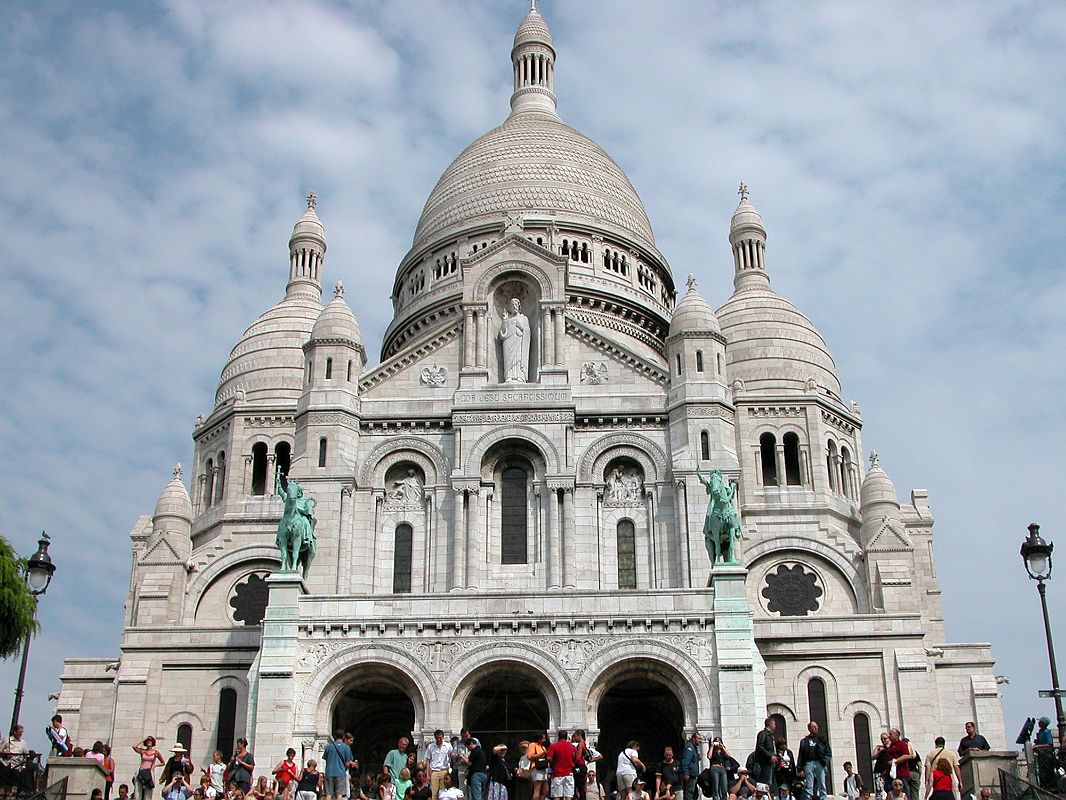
<point x="741" y="673"/>
<point x="272" y="693"/>
<point x="82" y="774"/>
<point x="553" y="375"/>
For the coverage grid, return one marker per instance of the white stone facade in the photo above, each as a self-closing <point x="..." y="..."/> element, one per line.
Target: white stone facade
<point x="611" y="586"/>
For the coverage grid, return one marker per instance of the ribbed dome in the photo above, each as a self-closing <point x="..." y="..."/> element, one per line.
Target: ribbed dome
<point x="771" y="346"/>
<point x="337" y="320"/>
<point x="878" y="494"/>
<point x="693" y="314"/>
<point x="309" y="225"/>
<point x="267" y="363"/>
<point x="174" y="499"/>
<point x="534" y="163"/>
<point x="533" y="29"/>
<point x="746" y="220"/>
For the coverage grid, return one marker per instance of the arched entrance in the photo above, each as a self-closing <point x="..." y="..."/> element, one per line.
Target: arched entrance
<point x="638" y="701"/>
<point x="506" y="703"/>
<point x="377" y="711"/>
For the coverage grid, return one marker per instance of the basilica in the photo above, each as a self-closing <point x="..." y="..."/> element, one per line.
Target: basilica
<point x="509" y="509"/>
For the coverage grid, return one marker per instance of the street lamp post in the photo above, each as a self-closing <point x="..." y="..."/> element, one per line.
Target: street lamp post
<point x="1036" y="553"/>
<point x="39" y="571"/>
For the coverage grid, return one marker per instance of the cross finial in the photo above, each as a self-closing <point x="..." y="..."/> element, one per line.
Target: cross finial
<point x="743" y="191"/>
<point x="691" y="282"/>
<point x="873" y="459"/>
<point x="312" y="200"/>
<point x="532" y="6"/>
<point x="338" y="290"/>
<point x="177" y="471"/>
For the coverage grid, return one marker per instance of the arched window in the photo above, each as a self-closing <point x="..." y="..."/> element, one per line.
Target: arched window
<point x="220" y="480"/>
<point x="780" y="726"/>
<point x="845" y="471"/>
<point x="513" y="527"/>
<point x="401" y="562"/>
<point x="227" y="721"/>
<point x="282" y="457"/>
<point x="816" y="705"/>
<point x="830" y="466"/>
<point x="768" y="459"/>
<point x="699" y="361"/>
<point x="329" y="369"/>
<point x="184" y="736"/>
<point x="705" y="446"/>
<point x="863" y="749"/>
<point x="792" y="459"/>
<point x="678" y="363"/>
<point x="627" y="554"/>
<point x="209" y="482"/>
<point x="259" y="468"/>
<point x="322" y="451"/>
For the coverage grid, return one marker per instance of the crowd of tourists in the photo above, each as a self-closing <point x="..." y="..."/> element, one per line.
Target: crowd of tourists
<point x="568" y="768"/>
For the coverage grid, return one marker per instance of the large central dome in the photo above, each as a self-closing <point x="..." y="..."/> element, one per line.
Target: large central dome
<point x="534" y="162"/>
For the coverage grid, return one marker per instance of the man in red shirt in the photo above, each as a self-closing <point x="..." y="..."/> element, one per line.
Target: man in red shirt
<point x="900" y="752"/>
<point x="561" y="756"/>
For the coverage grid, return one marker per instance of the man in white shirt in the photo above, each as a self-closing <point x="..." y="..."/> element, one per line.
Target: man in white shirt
<point x="438" y="761"/>
<point x="449" y="792"/>
<point x="625" y="772"/>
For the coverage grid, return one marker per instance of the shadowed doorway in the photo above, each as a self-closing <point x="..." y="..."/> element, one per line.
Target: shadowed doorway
<point x="506" y="706"/>
<point x="642" y="709"/>
<point x="377" y="712"/>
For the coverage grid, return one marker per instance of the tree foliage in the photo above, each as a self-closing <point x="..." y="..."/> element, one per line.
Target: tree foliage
<point x="17" y="603"/>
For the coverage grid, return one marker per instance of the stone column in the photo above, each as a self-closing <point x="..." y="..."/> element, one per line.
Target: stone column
<point x="567" y="536"/>
<point x="473" y="540"/>
<point x="560" y="332"/>
<point x="468" y="337"/>
<point x="685" y="549"/>
<point x="655" y="577"/>
<point x="246" y="480"/>
<point x="482" y="326"/>
<point x="344" y="567"/>
<point x="456" y="575"/>
<point x="554" y="561"/>
<point x="758" y="466"/>
<point x="547" y="348"/>
<point x="779" y="457"/>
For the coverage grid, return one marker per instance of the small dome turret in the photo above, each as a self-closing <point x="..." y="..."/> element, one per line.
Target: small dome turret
<point x="878" y="494"/>
<point x="533" y="59"/>
<point x="307" y="251"/>
<point x="693" y="314"/>
<point x="747" y="237"/>
<point x="337" y="322"/>
<point x="174" y="502"/>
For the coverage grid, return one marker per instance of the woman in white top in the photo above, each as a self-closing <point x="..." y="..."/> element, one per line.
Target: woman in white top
<point x="626" y="771"/>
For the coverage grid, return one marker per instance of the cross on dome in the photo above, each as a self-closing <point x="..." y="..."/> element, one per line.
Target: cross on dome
<point x="338" y="290"/>
<point x="691" y="282"/>
<point x="177" y="471"/>
<point x="874" y="459"/>
<point x="312" y="200"/>
<point x="532" y="6"/>
<point x="743" y="191"/>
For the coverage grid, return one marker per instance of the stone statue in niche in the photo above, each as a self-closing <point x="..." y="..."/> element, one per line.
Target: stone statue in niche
<point x="408" y="490"/>
<point x="623" y="486"/>
<point x="514" y="334"/>
<point x="721" y="528"/>
<point x="296" y="529"/>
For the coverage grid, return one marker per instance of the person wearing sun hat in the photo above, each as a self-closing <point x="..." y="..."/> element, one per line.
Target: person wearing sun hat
<point x="178" y="763"/>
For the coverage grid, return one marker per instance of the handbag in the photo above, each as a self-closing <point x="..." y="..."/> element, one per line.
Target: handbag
<point x="145" y="779"/>
<point x="540" y="764"/>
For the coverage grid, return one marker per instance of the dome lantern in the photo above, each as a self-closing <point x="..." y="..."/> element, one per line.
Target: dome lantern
<point x="533" y="60"/>
<point x="307" y="251"/>
<point x="747" y="237"/>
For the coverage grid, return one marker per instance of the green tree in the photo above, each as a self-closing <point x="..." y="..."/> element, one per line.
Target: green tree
<point x="17" y="603"/>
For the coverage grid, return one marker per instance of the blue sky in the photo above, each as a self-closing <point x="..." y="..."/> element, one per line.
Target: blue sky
<point x="907" y="158"/>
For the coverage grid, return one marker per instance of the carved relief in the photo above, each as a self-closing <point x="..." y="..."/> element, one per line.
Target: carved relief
<point x="496" y="417"/>
<point x="572" y="654"/>
<point x="433" y="376"/>
<point x="594" y="372"/>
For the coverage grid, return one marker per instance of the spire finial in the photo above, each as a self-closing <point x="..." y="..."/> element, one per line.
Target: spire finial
<point x="691" y="282"/>
<point x="874" y="459"/>
<point x="338" y="290"/>
<point x="177" y="471"/>
<point x="743" y="191"/>
<point x="532" y="6"/>
<point x="312" y="200"/>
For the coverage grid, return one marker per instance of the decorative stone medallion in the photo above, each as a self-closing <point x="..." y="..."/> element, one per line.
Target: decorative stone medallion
<point x="792" y="591"/>
<point x="434" y="375"/>
<point x="594" y="372"/>
<point x="249" y="601"/>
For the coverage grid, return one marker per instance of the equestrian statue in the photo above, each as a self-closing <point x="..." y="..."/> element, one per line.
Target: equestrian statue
<point x="296" y="529"/>
<point x="721" y="528"/>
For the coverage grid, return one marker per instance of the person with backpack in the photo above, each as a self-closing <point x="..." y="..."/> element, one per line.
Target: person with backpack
<point x="940" y="750"/>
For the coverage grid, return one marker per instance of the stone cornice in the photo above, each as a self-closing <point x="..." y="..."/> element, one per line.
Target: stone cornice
<point x="404" y="359"/>
<point x="653" y="372"/>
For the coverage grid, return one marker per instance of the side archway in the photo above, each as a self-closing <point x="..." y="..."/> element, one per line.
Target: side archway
<point x="428" y="456"/>
<point x="640" y="448"/>
<point x="524" y="433"/>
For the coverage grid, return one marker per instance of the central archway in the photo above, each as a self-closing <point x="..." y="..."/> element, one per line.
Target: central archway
<point x="377" y="710"/>
<point x="505" y="703"/>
